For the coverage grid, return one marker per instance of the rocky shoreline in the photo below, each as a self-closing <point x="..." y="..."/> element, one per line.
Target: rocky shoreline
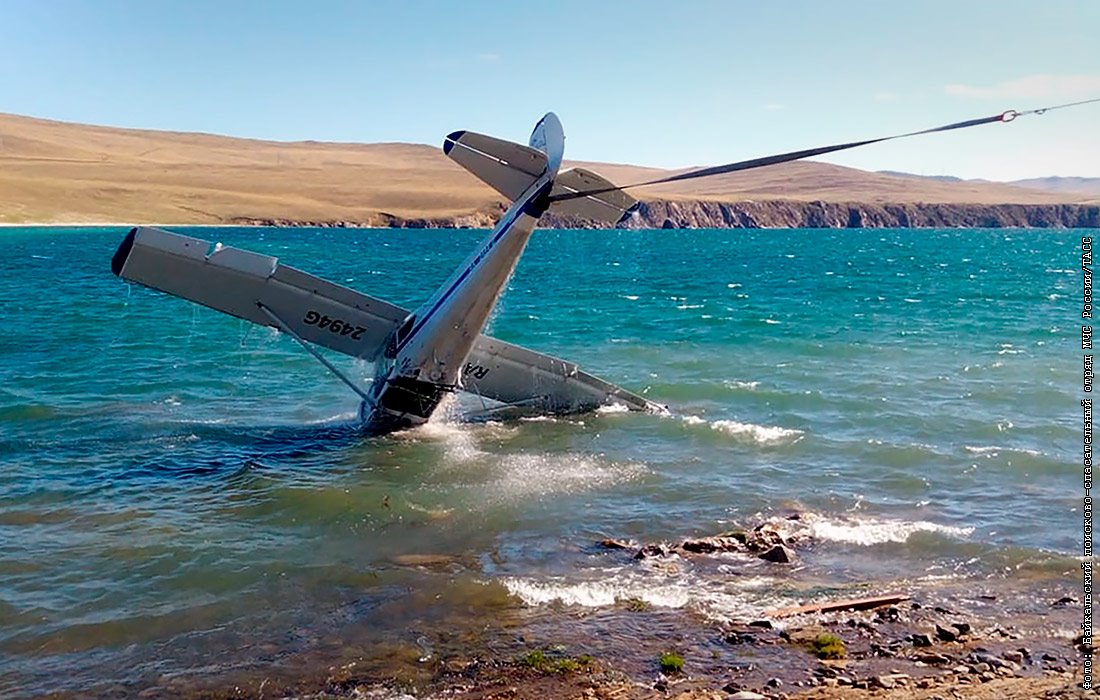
<point x="654" y="214"/>
<point x="985" y="640"/>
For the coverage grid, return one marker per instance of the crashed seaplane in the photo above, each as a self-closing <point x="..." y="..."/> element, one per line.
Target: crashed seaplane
<point x="423" y="356"/>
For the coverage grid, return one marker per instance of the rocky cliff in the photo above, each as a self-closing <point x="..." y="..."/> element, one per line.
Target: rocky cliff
<point x="794" y="214"/>
<point x="768" y="214"/>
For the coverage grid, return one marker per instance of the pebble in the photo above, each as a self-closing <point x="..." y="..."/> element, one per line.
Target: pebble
<point x="1016" y="657"/>
<point x="987" y="676"/>
<point x="891" y="680"/>
<point x="930" y="658"/>
<point x="774" y="682"/>
<point x="945" y="634"/>
<point x="747" y="695"/>
<point x="962" y="627"/>
<point x="922" y="640"/>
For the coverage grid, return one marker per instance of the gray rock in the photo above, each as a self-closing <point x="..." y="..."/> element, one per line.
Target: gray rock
<point x="945" y="634"/>
<point x="922" y="640"/>
<point x="778" y="554"/>
<point x="931" y="658"/>
<point x="962" y="627"/>
<point x="891" y="680"/>
<point x="747" y="695"/>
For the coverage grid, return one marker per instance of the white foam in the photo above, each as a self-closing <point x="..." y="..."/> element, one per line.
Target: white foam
<point x="864" y="531"/>
<point x="613" y="408"/>
<point x="716" y="598"/>
<point x="765" y="435"/>
<point x="592" y="594"/>
<point x="758" y="434"/>
<point x="994" y="450"/>
<point x="735" y="384"/>
<point x="519" y="477"/>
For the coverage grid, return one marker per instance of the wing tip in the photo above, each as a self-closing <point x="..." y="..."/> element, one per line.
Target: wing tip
<point x="451" y="139"/>
<point x="118" y="261"/>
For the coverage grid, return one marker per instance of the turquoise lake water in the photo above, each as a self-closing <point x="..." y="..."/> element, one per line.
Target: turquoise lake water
<point x="182" y="494"/>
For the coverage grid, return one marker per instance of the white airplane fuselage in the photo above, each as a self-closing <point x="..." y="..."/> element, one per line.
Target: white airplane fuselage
<point x="424" y="359"/>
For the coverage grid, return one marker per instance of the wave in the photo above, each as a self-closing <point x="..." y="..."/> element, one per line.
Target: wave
<point x="994" y="450"/>
<point x="750" y="433"/>
<point x="863" y="531"/>
<point x="717" y="598"/>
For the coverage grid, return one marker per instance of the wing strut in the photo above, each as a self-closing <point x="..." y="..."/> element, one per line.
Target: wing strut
<point x="312" y="351"/>
<point x="1003" y="117"/>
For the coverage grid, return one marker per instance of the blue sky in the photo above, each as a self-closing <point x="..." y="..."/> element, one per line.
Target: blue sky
<point x="652" y="83"/>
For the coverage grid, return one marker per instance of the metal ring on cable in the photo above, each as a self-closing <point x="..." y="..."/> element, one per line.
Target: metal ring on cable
<point x="1009" y="116"/>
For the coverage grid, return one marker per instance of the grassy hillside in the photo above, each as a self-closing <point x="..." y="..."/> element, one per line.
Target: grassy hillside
<point x="60" y="172"/>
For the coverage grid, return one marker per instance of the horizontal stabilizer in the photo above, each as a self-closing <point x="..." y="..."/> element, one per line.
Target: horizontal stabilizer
<point x="605" y="207"/>
<point x="537" y="383"/>
<point x="238" y="283"/>
<point x="507" y="167"/>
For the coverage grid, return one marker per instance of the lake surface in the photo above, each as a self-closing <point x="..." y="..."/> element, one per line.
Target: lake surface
<point x="183" y="495"/>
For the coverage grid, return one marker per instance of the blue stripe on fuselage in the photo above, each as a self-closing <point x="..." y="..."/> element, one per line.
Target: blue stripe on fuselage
<point x="516" y="212"/>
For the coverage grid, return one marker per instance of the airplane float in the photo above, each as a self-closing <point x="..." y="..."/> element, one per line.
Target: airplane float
<point x="423" y="356"/>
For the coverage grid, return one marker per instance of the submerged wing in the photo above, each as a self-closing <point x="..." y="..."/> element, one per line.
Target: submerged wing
<point x="239" y="283"/>
<point x="507" y="167"/>
<point x="535" y="382"/>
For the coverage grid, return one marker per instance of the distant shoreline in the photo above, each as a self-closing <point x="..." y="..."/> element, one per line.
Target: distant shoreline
<point x="748" y="214"/>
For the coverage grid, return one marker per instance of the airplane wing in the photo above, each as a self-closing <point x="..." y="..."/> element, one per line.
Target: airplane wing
<point x="537" y="383"/>
<point x="241" y="283"/>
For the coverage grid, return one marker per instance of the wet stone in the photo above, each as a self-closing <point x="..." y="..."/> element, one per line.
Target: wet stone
<point x="614" y="544"/>
<point x="945" y="634"/>
<point x="778" y="554"/>
<point x="922" y="640"/>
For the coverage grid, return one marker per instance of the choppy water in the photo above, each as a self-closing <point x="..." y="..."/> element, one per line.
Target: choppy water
<point x="181" y="494"/>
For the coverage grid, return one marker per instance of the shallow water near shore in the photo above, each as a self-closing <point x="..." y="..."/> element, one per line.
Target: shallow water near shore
<point x="184" y="496"/>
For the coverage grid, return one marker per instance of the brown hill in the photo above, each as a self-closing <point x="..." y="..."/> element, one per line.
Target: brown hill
<point x="61" y="172"/>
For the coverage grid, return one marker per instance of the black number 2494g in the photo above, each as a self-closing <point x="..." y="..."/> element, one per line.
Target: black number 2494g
<point x="334" y="325"/>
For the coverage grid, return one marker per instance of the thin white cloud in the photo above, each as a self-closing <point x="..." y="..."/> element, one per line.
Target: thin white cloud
<point x="1057" y="86"/>
<point x="886" y="97"/>
<point x="488" y="56"/>
<point x="773" y="107"/>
